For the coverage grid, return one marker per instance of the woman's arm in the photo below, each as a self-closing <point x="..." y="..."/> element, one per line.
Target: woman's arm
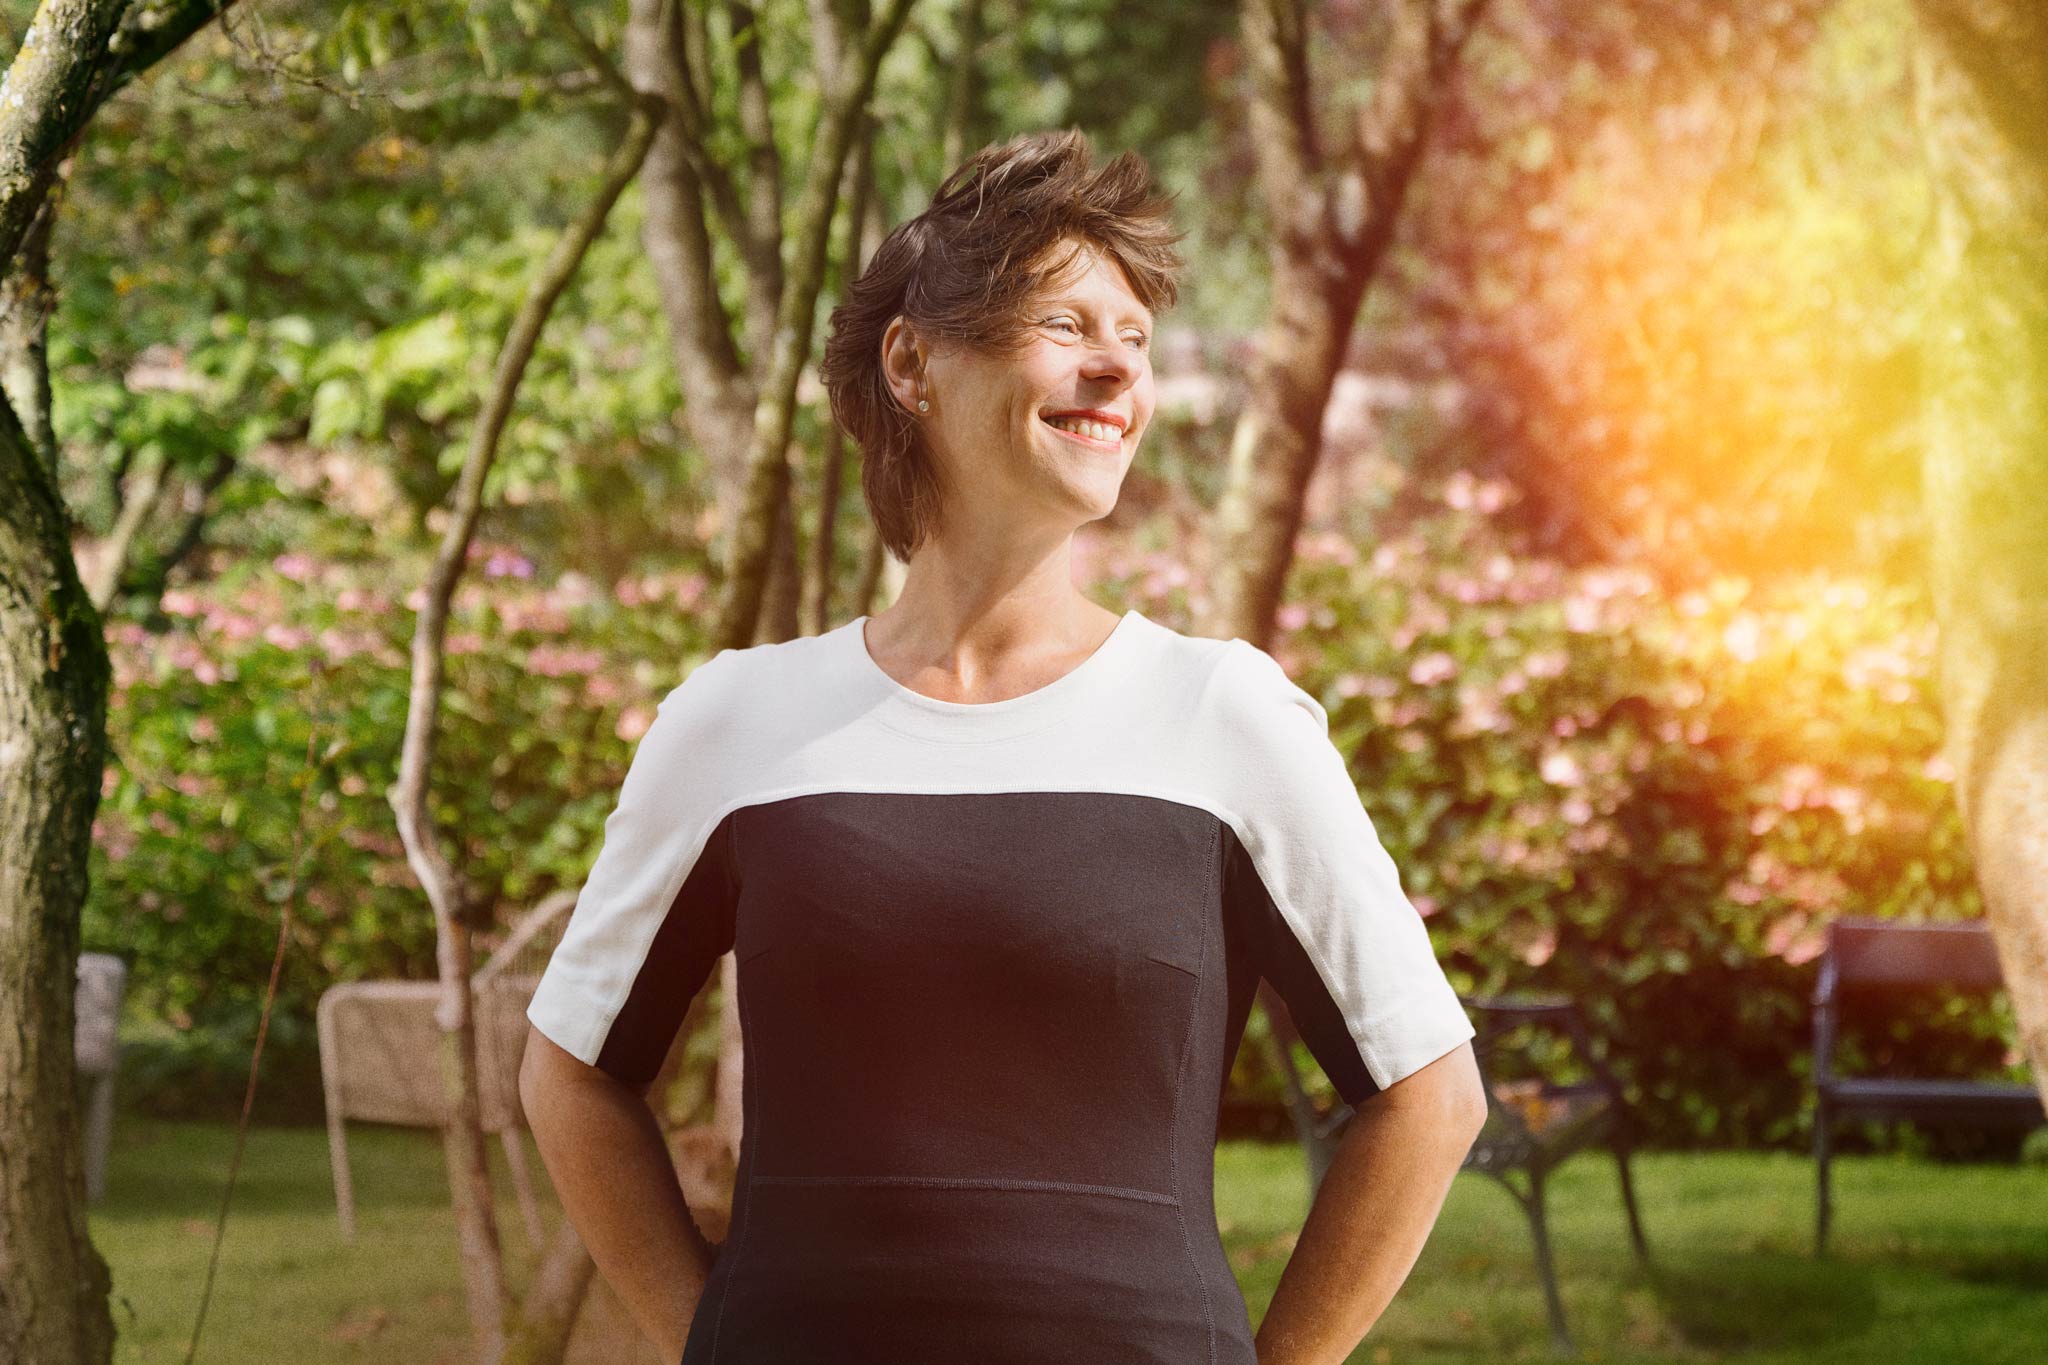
<point x="612" y="1171"/>
<point x="1378" y="1202"/>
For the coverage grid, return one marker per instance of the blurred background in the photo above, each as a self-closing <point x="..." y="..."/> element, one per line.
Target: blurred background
<point x="1626" y="419"/>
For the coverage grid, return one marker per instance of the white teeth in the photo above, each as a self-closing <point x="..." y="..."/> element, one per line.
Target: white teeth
<point x="1100" y="431"/>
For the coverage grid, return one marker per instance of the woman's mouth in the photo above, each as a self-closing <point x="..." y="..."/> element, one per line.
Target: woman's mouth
<point x="1098" y="435"/>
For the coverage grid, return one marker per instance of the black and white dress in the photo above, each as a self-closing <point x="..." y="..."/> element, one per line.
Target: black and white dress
<point x="994" y="962"/>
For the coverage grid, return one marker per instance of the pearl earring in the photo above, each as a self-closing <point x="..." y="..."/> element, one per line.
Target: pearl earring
<point x="923" y="405"/>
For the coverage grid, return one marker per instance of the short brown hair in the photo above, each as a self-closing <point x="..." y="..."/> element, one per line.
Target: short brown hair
<point x="966" y="270"/>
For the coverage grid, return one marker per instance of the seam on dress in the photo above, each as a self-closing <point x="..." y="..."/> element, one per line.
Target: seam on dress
<point x="1349" y="1008"/>
<point x="732" y="851"/>
<point x="748" y="1119"/>
<point x="974" y="1183"/>
<point x="1179" y="1089"/>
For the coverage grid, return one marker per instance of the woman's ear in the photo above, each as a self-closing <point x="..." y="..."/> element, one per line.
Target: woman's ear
<point x="902" y="367"/>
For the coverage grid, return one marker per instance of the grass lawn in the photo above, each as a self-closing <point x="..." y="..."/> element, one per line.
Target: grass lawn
<point x="1933" y="1263"/>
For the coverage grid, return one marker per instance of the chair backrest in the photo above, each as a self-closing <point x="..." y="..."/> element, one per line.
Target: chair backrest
<point x="102" y="981"/>
<point x="521" y="953"/>
<point x="380" y="1045"/>
<point x="1866" y="954"/>
<point x="380" y="1051"/>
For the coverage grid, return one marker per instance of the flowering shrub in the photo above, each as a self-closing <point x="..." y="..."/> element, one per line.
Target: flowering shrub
<point x="1653" y="803"/>
<point x="214" y="814"/>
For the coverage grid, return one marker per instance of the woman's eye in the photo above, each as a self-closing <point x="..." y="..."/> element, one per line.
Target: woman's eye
<point x="1061" y="322"/>
<point x="1142" y="340"/>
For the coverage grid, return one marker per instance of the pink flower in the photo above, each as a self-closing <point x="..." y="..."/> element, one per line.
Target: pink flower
<point x="1433" y="668"/>
<point x="1292" y="616"/>
<point x="1537" y="948"/>
<point x="296" y="565"/>
<point x="1795" y="938"/>
<point x="1560" y="769"/>
<point x="508" y="564"/>
<point x="633" y="723"/>
<point x="1329" y="546"/>
<point x="553" y="661"/>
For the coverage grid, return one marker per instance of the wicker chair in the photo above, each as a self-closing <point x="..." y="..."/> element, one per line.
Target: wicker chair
<point x="380" y="1050"/>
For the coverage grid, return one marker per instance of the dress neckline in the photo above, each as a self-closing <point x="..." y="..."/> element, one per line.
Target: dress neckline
<point x="905" y="708"/>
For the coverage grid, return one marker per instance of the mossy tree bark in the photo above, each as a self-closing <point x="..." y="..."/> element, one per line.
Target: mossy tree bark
<point x="54" y="679"/>
<point x="1982" y="105"/>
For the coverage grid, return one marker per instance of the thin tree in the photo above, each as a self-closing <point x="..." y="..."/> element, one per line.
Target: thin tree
<point x="542" y="1329"/>
<point x="1331" y="211"/>
<point x="1981" y="76"/>
<point x="740" y="374"/>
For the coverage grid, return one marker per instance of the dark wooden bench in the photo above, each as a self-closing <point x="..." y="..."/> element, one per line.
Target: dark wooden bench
<point x="1875" y="956"/>
<point x="1534" y="1124"/>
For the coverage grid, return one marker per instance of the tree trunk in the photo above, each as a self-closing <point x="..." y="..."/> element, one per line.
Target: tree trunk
<point x="684" y="189"/>
<point x="740" y="411"/>
<point x="1332" y="219"/>
<point x="823" y="562"/>
<point x="1982" y="106"/>
<point x="847" y="89"/>
<point x="482" y="1257"/>
<point x="54" y="676"/>
<point x="54" y="680"/>
<point x="26" y="300"/>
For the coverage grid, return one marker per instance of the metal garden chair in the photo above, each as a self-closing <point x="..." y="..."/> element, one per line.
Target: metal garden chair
<point x="1534" y="1125"/>
<point x="1865" y="956"/>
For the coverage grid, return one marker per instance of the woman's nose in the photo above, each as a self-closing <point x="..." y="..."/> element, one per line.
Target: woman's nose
<point x="1115" y="359"/>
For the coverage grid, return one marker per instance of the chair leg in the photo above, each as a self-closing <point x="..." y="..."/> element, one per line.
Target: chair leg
<point x="1539" y="1231"/>
<point x="99" y="1136"/>
<point x="344" y="1188"/>
<point x="1821" y="1124"/>
<point x="515" y="1158"/>
<point x="1628" y="1204"/>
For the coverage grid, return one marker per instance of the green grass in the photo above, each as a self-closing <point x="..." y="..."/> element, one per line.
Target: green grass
<point x="1933" y="1263"/>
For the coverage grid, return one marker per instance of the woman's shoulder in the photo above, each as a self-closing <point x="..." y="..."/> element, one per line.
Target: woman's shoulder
<point x="736" y="673"/>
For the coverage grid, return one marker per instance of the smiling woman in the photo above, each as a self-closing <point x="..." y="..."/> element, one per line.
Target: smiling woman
<point x="999" y="870"/>
<point x="1000" y="341"/>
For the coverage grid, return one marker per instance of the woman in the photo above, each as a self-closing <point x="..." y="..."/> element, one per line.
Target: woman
<point x="1001" y="870"/>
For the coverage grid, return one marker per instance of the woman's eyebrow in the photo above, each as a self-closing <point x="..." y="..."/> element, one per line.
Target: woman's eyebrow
<point x="1087" y="307"/>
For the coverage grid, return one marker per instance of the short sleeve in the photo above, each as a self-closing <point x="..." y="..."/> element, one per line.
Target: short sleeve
<point x="1317" y="896"/>
<point x="656" y="910"/>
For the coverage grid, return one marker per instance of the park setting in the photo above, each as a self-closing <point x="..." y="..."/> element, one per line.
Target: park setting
<point x="1628" y="423"/>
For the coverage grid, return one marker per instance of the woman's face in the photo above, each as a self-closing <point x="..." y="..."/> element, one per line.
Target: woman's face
<point x="1087" y="352"/>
